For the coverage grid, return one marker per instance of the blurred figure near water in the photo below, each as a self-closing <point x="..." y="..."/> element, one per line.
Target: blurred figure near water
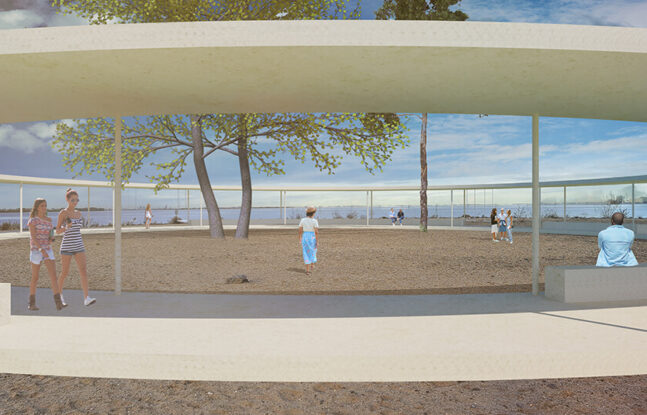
<point x="148" y="215"/>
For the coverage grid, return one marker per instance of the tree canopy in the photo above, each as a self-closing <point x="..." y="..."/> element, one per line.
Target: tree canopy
<point x="420" y="10"/>
<point x="87" y="146"/>
<point x="152" y="11"/>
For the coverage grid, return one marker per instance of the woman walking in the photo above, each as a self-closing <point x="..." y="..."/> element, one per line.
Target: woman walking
<point x="149" y="216"/>
<point x="40" y="244"/>
<point x="72" y="244"/>
<point x="309" y="237"/>
<point x="510" y="225"/>
<point x="494" y="221"/>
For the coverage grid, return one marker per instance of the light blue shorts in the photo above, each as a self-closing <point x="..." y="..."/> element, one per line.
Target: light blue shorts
<point x="36" y="257"/>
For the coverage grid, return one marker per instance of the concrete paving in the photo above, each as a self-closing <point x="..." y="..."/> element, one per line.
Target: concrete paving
<point x="323" y="338"/>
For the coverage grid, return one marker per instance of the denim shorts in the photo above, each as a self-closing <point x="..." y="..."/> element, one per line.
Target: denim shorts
<point x="36" y="257"/>
<point x="72" y="253"/>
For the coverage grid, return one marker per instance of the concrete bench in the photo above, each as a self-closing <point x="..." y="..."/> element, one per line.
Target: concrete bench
<point x="5" y="303"/>
<point x="580" y="284"/>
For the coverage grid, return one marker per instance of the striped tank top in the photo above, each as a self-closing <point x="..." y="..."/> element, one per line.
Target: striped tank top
<point x="72" y="241"/>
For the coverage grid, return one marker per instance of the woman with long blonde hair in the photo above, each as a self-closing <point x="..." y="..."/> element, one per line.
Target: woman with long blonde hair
<point x="72" y="244"/>
<point x="40" y="244"/>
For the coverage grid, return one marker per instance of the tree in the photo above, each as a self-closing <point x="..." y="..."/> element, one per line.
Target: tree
<point x="87" y="146"/>
<point x="421" y="10"/>
<point x="149" y="11"/>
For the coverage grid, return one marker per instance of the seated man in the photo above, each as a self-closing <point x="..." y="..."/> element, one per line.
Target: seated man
<point x="615" y="244"/>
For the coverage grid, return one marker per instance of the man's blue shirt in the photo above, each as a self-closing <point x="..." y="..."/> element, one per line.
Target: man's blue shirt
<point x="615" y="247"/>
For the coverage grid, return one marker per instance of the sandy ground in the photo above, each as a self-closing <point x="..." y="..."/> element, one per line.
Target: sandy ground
<point x="349" y="261"/>
<point x="24" y="394"/>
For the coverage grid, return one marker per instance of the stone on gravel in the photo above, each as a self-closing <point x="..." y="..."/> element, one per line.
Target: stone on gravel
<point x="237" y="279"/>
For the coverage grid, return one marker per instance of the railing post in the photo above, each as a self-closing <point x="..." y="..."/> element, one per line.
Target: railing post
<point x="88" y="219"/>
<point x="371" y="204"/>
<point x="451" y="208"/>
<point x="188" y="208"/>
<point x="464" y="194"/>
<point x="633" y="206"/>
<point x="368" y="207"/>
<point x="20" y="217"/>
<point x="285" y="207"/>
<point x="200" y="208"/>
<point x="564" y="204"/>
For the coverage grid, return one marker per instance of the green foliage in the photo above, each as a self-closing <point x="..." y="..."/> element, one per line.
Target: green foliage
<point x="151" y="11"/>
<point x="420" y="10"/>
<point x="88" y="145"/>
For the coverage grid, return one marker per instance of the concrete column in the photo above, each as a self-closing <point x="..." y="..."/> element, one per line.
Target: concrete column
<point x="285" y="207"/>
<point x="20" y="207"/>
<point x="113" y="207"/>
<point x="117" y="201"/>
<point x="536" y="204"/>
<point x="564" y="203"/>
<point x="451" y="208"/>
<point x="633" y="206"/>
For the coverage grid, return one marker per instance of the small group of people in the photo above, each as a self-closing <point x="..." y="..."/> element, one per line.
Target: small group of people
<point x="399" y="217"/>
<point x="41" y="237"/>
<point x="501" y="225"/>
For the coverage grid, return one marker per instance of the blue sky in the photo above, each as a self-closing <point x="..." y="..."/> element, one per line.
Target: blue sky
<point x="461" y="148"/>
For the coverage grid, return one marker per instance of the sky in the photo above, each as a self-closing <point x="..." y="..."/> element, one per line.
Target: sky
<point x="461" y="148"/>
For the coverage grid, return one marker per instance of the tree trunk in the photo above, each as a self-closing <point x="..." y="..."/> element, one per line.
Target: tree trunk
<point x="215" y="220"/>
<point x="242" y="230"/>
<point x="423" y="174"/>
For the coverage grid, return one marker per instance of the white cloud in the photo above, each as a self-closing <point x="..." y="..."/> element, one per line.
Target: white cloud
<point x="43" y="130"/>
<point x="18" y="19"/>
<point x="35" y="137"/>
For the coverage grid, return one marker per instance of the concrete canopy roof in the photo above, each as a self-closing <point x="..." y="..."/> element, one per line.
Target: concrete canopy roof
<point x="321" y="66"/>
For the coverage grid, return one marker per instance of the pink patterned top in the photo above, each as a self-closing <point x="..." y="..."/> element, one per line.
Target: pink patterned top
<point x="42" y="233"/>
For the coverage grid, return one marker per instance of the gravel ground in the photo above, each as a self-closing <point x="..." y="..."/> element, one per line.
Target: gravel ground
<point x="24" y="394"/>
<point x="349" y="261"/>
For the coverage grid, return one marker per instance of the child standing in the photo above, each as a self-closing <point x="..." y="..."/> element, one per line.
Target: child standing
<point x="309" y="237"/>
